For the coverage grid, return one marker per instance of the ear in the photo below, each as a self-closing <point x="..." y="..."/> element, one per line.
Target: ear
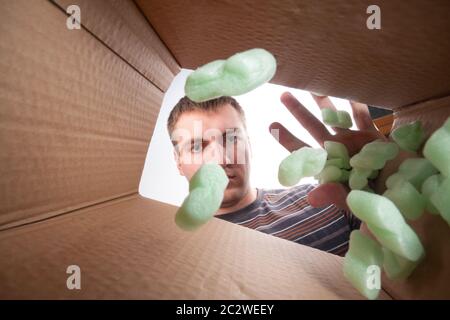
<point x="178" y="161"/>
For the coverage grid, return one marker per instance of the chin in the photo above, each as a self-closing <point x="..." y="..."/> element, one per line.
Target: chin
<point x="232" y="196"/>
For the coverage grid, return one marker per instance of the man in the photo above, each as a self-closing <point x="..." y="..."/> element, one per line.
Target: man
<point x="215" y="130"/>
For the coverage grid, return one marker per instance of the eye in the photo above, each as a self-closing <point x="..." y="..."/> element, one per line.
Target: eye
<point x="231" y="138"/>
<point x="196" y="147"/>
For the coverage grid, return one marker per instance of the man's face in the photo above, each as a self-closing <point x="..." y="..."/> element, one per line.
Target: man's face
<point x="217" y="136"/>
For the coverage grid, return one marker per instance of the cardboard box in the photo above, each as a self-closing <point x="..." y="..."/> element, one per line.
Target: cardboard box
<point x="77" y="111"/>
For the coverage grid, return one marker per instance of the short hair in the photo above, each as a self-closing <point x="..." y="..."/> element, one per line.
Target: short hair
<point x="186" y="105"/>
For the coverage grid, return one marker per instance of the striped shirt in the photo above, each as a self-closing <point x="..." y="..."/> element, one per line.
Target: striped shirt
<point x="286" y="213"/>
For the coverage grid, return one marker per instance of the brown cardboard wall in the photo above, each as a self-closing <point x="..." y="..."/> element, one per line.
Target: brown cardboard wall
<point x="321" y="46"/>
<point x="75" y="117"/>
<point x="123" y="28"/>
<point x="131" y="248"/>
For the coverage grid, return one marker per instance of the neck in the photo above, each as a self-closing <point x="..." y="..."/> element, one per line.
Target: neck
<point x="245" y="201"/>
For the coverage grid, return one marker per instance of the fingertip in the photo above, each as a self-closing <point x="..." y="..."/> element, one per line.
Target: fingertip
<point x="285" y="96"/>
<point x="317" y="95"/>
<point x="314" y="199"/>
<point x="274" y="126"/>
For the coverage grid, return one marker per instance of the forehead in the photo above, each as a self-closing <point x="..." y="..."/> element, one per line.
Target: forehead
<point x="222" y="118"/>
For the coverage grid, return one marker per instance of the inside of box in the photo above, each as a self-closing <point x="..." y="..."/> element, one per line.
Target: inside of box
<point x="78" y="108"/>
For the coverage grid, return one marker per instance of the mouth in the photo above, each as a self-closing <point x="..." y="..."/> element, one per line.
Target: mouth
<point x="231" y="180"/>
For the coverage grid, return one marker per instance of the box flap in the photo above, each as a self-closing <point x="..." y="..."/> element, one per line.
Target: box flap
<point x="321" y="46"/>
<point x="75" y="119"/>
<point x="133" y="249"/>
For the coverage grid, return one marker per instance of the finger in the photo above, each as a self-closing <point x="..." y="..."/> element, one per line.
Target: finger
<point x="362" y="117"/>
<point x="325" y="103"/>
<point x="285" y="137"/>
<point x="313" y="125"/>
<point x="327" y="194"/>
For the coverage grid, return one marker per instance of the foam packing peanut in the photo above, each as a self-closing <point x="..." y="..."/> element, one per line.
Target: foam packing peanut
<point x="397" y="267"/>
<point x="304" y="162"/>
<point x="368" y="189"/>
<point x="332" y="174"/>
<point x="374" y="174"/>
<point x="209" y="175"/>
<point x="437" y="149"/>
<point x="338" y="119"/>
<point x="441" y="199"/>
<point x="429" y="187"/>
<point x="237" y="75"/>
<point x="374" y="155"/>
<point x="393" y="179"/>
<point x="407" y="199"/>
<point x="409" y="137"/>
<point x="386" y="223"/>
<point x="206" y="189"/>
<point x="337" y="151"/>
<point x="363" y="253"/>
<point x="359" y="178"/>
<point x="416" y="170"/>
<point x="336" y="163"/>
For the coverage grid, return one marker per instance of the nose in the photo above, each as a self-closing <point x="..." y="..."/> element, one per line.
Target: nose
<point x="215" y="153"/>
<point x="227" y="155"/>
<point x="220" y="154"/>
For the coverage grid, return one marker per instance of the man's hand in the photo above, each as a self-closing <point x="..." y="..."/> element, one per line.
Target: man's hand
<point x="431" y="277"/>
<point x="328" y="193"/>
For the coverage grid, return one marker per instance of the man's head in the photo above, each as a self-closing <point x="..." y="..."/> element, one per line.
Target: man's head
<point x="212" y="131"/>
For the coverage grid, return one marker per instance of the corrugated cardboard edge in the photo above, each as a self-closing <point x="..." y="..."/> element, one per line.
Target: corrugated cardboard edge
<point x="432" y="113"/>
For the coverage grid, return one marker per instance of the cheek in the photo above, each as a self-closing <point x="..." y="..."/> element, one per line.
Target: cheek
<point x="244" y="172"/>
<point x="244" y="162"/>
<point x="189" y="170"/>
<point x="242" y="153"/>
